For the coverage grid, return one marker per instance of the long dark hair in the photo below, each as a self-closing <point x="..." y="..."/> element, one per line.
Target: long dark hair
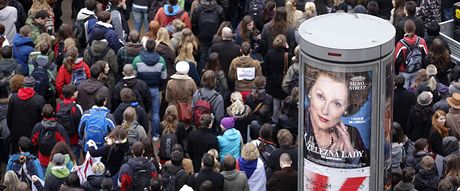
<point x="265" y="136"/>
<point x="439" y="54"/>
<point x="279" y="22"/>
<point x="63" y="148"/>
<point x="244" y="33"/>
<point x="64" y="32"/>
<point x="213" y="63"/>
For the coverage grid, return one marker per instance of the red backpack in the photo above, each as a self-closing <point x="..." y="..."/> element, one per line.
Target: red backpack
<point x="202" y="106"/>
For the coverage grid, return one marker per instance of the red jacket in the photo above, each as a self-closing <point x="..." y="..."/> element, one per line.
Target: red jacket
<point x="60" y="135"/>
<point x="64" y="77"/>
<point x="164" y="20"/>
<point x="401" y="51"/>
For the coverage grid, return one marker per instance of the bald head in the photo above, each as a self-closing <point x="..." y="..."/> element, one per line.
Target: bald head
<point x="285" y="160"/>
<point x="227" y="33"/>
<point x="128" y="70"/>
<point x="134" y="36"/>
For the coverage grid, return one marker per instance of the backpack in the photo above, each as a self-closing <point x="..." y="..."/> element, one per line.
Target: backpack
<point x="141" y="180"/>
<point x="65" y="118"/>
<point x="24" y="169"/>
<point x="133" y="136"/>
<point x="167" y="141"/>
<point x="170" y="26"/>
<point x="93" y="58"/>
<point x="59" y="53"/>
<point x="78" y="76"/>
<point x="47" y="140"/>
<point x="202" y="106"/>
<point x="169" y="180"/>
<point x="42" y="81"/>
<point x="208" y="22"/>
<point x="96" y="127"/>
<point x="80" y="30"/>
<point x="414" y="55"/>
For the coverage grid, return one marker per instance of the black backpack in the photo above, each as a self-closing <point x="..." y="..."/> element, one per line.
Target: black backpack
<point x="208" y="22"/>
<point x="42" y="81"/>
<point x="167" y="141"/>
<point x="255" y="9"/>
<point x="60" y="53"/>
<point x="47" y="140"/>
<point x="169" y="181"/>
<point x="141" y="180"/>
<point x="80" y="32"/>
<point x="93" y="58"/>
<point x="65" y="118"/>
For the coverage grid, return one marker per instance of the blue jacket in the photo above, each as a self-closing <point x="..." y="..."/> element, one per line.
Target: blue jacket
<point x="110" y="35"/>
<point x="150" y="67"/>
<point x="229" y="143"/>
<point x="38" y="168"/>
<point x="22" y="47"/>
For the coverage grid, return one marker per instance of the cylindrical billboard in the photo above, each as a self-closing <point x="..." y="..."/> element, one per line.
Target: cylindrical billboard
<point x="344" y="71"/>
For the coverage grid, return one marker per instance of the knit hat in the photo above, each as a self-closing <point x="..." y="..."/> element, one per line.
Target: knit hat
<point x="443" y="89"/>
<point x="454" y="88"/>
<point x="228" y="122"/>
<point x="58" y="159"/>
<point x="29" y="82"/>
<point x="182" y="67"/>
<point x="42" y="60"/>
<point x="431" y="70"/>
<point x="454" y="101"/>
<point x="425" y="98"/>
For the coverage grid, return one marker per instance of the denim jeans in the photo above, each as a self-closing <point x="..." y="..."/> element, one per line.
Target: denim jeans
<point x="139" y="17"/>
<point x="155" y="112"/>
<point x="409" y="78"/>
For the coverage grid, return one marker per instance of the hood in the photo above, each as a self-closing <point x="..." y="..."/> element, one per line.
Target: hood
<point x="176" y="9"/>
<point x="78" y="63"/>
<point x="411" y="40"/>
<point x="231" y="135"/>
<point x="133" y="48"/>
<point x="180" y="77"/>
<point x="150" y="58"/>
<point x="6" y="12"/>
<point x="244" y="61"/>
<point x="49" y="122"/>
<point x="26" y="93"/>
<point x="230" y="175"/>
<point x="101" y="24"/>
<point x="60" y="171"/>
<point x="208" y="3"/>
<point x="130" y="82"/>
<point x="92" y="86"/>
<point x="19" y="40"/>
<point x="450" y="145"/>
<point x="95" y="180"/>
<point x="84" y="13"/>
<point x="98" y="46"/>
<point x="138" y="163"/>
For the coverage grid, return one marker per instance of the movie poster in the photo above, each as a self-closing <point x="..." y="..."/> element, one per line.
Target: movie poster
<point x="337" y="130"/>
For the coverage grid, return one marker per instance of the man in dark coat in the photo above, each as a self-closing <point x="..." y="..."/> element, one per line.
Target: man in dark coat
<point x="127" y="53"/>
<point x="285" y="140"/>
<point x="286" y="178"/>
<point x="24" y="111"/>
<point x="139" y="87"/>
<point x="403" y="102"/>
<point x="88" y="89"/>
<point x="410" y="8"/>
<point x="201" y="140"/>
<point x="227" y="49"/>
<point x="206" y="173"/>
<point x="104" y="26"/>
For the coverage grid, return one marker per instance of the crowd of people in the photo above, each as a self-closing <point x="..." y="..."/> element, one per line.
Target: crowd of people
<point x="200" y="95"/>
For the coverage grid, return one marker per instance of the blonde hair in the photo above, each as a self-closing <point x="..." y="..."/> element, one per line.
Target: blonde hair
<point x="310" y="9"/>
<point x="279" y="41"/>
<point x="250" y="152"/>
<point x="188" y="37"/>
<point x="98" y="168"/>
<point x="43" y="38"/>
<point x="39" y="5"/>
<point x="163" y="36"/>
<point x="170" y="119"/>
<point x="186" y="53"/>
<point x="187" y="164"/>
<point x="290" y="9"/>
<point x="129" y="117"/>
<point x="237" y="107"/>
<point x="178" y="25"/>
<point x="10" y="181"/>
<point x="69" y="43"/>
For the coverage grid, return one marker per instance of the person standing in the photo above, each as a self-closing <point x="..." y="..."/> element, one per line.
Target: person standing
<point x="8" y="17"/>
<point x="453" y="117"/>
<point x="286" y="178"/>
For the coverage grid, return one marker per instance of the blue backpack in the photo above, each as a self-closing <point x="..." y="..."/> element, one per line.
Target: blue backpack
<point x="78" y="76"/>
<point x="96" y="127"/>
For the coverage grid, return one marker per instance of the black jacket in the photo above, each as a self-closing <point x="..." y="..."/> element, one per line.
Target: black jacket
<point x="200" y="142"/>
<point x="442" y="74"/>
<point x="274" y="160"/>
<point x="403" y="102"/>
<point x="420" y="28"/>
<point x="93" y="183"/>
<point x="217" y="179"/>
<point x="115" y="160"/>
<point x="87" y="91"/>
<point x="169" y="56"/>
<point x="227" y="50"/>
<point x="196" y="18"/>
<point x="285" y="179"/>
<point x="8" y="66"/>
<point x="182" y="178"/>
<point x="274" y="69"/>
<point x="419" y="122"/>
<point x="436" y="142"/>
<point x="426" y="181"/>
<point x="140" y="88"/>
<point x="141" y="114"/>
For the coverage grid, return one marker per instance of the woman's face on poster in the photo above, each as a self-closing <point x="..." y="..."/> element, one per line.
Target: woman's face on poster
<point x="328" y="102"/>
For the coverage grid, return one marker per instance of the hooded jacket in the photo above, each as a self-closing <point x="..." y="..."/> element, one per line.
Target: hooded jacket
<point x="180" y="88"/>
<point x="110" y="35"/>
<point x="404" y="186"/>
<point x="97" y="48"/>
<point x="87" y="91"/>
<point x="230" y="143"/>
<point x="176" y="39"/>
<point x="217" y="103"/>
<point x="24" y="111"/>
<point x="10" y="66"/>
<point x="151" y="68"/>
<point x="426" y="181"/>
<point x="235" y="181"/>
<point x="244" y="83"/>
<point x="168" y="55"/>
<point x="60" y="136"/>
<point x="127" y="53"/>
<point x="208" y="174"/>
<point x="401" y="52"/>
<point x="57" y="177"/>
<point x="84" y="14"/>
<point x="135" y="164"/>
<point x="414" y="160"/>
<point x="419" y="122"/>
<point x="22" y="47"/>
<point x="163" y="17"/>
<point x="64" y="77"/>
<point x="119" y="23"/>
<point x="67" y="162"/>
<point x="115" y="160"/>
<point x="8" y="17"/>
<point x="140" y="88"/>
<point x="93" y="183"/>
<point x="397" y="155"/>
<point x="141" y="114"/>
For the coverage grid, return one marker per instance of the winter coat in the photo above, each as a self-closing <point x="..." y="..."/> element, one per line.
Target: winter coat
<point x="274" y="69"/>
<point x="120" y="23"/>
<point x="97" y="48"/>
<point x="117" y="155"/>
<point x="165" y="17"/>
<point x="285" y="179"/>
<point x="235" y="181"/>
<point x="217" y="103"/>
<point x="268" y="37"/>
<point x="426" y="181"/>
<point x="419" y="122"/>
<point x="402" y="103"/>
<point x="64" y="77"/>
<point x="430" y="10"/>
<point x="435" y="139"/>
<point x="453" y="122"/>
<point x="180" y="88"/>
<point x="93" y="183"/>
<point x="230" y="143"/>
<point x="196" y="17"/>
<point x="168" y="55"/>
<point x="22" y="14"/>
<point x="247" y="83"/>
<point x="36" y="163"/>
<point x="401" y="52"/>
<point x="413" y="160"/>
<point x="255" y="171"/>
<point x="10" y="66"/>
<point x="419" y="28"/>
<point x="151" y="68"/>
<point x="404" y="186"/>
<point x="263" y="99"/>
<point x="140" y="88"/>
<point x="36" y="30"/>
<point x="133" y="165"/>
<point x="8" y="17"/>
<point x="60" y="136"/>
<point x="200" y="141"/>
<point x="441" y="105"/>
<point x="442" y="75"/>
<point x="274" y="160"/>
<point x="227" y="50"/>
<point x="57" y="177"/>
<point x="68" y="163"/>
<point x="88" y="90"/>
<point x="22" y="47"/>
<point x="24" y="111"/>
<point x="85" y="118"/>
<point x="397" y="156"/>
<point x="127" y="53"/>
<point x="208" y="174"/>
<point x="289" y="77"/>
<point x="290" y="122"/>
<point x="110" y="35"/>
